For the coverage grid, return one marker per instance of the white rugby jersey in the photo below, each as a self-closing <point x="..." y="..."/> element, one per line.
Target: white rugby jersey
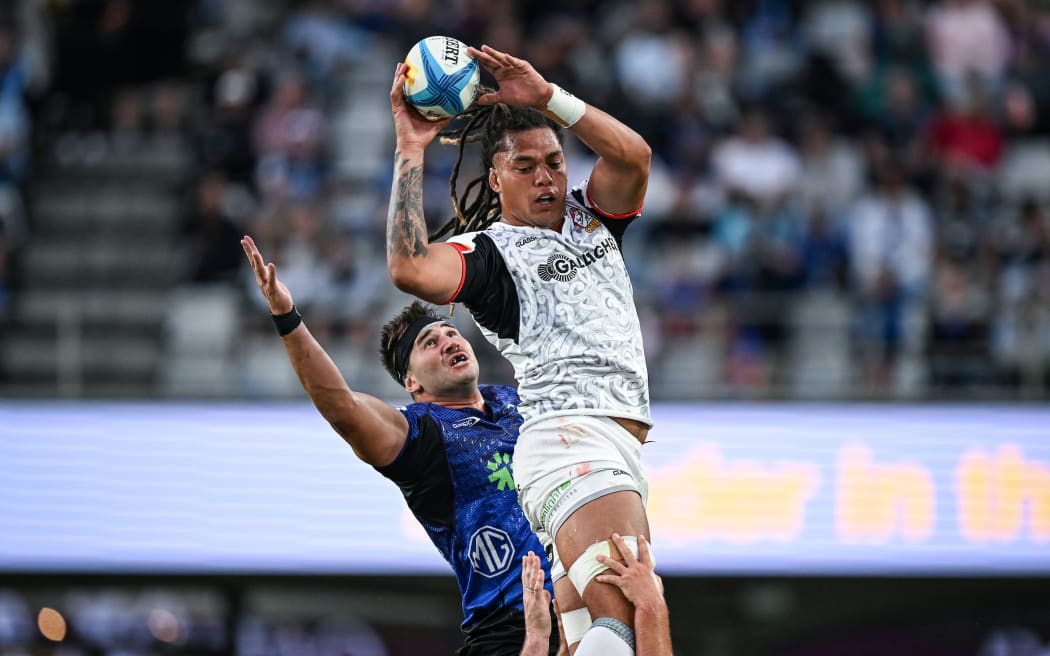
<point x="560" y="307"/>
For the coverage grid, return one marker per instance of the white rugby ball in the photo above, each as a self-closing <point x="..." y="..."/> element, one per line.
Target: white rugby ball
<point x="442" y="79"/>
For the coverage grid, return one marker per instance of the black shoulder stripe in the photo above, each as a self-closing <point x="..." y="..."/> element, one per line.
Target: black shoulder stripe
<point x="489" y="291"/>
<point x="422" y="474"/>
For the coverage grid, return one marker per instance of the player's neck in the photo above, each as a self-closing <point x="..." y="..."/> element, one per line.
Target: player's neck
<point x="457" y="400"/>
<point x="519" y="223"/>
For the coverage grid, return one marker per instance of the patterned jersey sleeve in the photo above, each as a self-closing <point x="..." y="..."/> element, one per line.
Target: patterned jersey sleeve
<point x="486" y="286"/>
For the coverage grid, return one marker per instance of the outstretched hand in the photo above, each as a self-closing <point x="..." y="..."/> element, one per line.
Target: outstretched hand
<point x="635" y="576"/>
<point x="410" y="127"/>
<point x="273" y="290"/>
<point x="520" y="84"/>
<point x="535" y="598"/>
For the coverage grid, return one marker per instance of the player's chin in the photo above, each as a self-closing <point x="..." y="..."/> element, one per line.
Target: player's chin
<point x="547" y="218"/>
<point x="469" y="371"/>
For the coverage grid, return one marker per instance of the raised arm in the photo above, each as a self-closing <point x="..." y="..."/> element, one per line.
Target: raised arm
<point x="431" y="272"/>
<point x="375" y="430"/>
<point x="618" y="182"/>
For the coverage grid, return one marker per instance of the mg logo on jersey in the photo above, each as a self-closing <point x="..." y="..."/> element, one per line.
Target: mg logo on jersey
<point x="491" y="551"/>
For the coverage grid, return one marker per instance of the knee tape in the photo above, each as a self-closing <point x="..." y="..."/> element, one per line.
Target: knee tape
<point x="574" y="624"/>
<point x="587" y="566"/>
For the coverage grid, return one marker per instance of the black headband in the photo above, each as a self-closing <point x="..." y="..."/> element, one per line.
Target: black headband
<point x="403" y="349"/>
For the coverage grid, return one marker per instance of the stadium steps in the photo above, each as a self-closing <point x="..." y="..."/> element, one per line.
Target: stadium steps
<point x="88" y="319"/>
<point x="362" y="136"/>
<point x="114" y="158"/>
<point x="819" y="349"/>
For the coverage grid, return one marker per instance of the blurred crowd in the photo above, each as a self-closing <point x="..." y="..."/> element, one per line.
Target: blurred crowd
<point x="24" y="75"/>
<point x="848" y="199"/>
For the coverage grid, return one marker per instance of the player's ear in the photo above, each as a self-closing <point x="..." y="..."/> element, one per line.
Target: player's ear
<point x="412" y="385"/>
<point x="493" y="180"/>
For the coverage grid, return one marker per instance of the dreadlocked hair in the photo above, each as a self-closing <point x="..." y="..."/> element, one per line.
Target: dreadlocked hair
<point x="478" y="206"/>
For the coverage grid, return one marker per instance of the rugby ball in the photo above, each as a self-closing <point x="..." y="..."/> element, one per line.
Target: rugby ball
<point x="442" y="79"/>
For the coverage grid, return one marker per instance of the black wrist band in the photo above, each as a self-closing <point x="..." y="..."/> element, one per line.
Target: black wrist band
<point x="288" y="321"/>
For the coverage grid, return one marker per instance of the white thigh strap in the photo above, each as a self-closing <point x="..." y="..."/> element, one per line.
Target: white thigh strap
<point x="587" y="566"/>
<point x="575" y="623"/>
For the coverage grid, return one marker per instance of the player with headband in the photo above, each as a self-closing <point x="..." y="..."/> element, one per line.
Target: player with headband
<point x="448" y="452"/>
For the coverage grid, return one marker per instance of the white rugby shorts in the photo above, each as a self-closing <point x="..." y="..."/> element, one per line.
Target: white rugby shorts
<point x="564" y="462"/>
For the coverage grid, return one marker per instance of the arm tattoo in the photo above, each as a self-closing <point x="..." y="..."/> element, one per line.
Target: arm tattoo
<point x="406" y="229"/>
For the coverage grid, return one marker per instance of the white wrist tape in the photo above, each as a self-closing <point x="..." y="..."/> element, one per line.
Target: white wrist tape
<point x="567" y="107"/>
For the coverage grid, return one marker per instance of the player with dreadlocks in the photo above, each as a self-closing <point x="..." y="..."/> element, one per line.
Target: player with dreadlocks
<point x="484" y="123"/>
<point x="538" y="266"/>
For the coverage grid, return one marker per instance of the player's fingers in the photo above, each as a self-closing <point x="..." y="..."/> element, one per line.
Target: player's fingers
<point x="608" y="578"/>
<point x="612" y="564"/>
<point x="490" y="63"/>
<point x="257" y="260"/>
<point x="645" y="555"/>
<point x="498" y="55"/>
<point x="247" y="251"/>
<point x="532" y="573"/>
<point x="488" y="98"/>
<point x="534" y="560"/>
<point x="249" y="248"/>
<point x="479" y="54"/>
<point x="625" y="551"/>
<point x="397" y="89"/>
<point x="516" y="62"/>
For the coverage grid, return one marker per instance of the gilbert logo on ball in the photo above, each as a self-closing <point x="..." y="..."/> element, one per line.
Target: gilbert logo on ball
<point x="442" y="78"/>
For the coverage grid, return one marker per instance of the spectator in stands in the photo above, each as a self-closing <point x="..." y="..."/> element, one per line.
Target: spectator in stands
<point x="756" y="163"/>
<point x="964" y="136"/>
<point x="225" y="138"/>
<point x="211" y="233"/>
<point x="831" y="170"/>
<point x="289" y="141"/>
<point x="890" y="243"/>
<point x="1022" y="322"/>
<point x="967" y="38"/>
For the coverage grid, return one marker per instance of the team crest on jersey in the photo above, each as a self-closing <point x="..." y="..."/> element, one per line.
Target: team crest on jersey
<point x="491" y="551"/>
<point x="583" y="220"/>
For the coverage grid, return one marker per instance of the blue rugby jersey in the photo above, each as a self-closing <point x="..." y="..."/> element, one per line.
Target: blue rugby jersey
<point x="455" y="474"/>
